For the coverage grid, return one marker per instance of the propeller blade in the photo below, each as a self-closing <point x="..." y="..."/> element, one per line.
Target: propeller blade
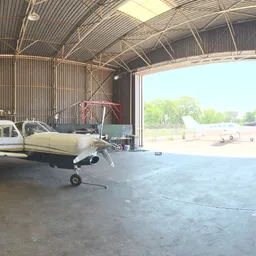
<point x="102" y="121"/>
<point x="84" y="154"/>
<point x="107" y="157"/>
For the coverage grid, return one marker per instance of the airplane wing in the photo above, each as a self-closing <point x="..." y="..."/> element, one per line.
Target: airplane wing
<point x="10" y="154"/>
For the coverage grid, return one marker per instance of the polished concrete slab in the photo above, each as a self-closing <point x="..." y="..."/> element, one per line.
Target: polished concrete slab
<point x="171" y="204"/>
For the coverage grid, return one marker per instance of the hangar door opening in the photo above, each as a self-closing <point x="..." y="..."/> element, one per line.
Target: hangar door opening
<point x="196" y="103"/>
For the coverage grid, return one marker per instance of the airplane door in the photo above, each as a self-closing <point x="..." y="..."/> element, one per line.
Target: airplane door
<point x="10" y="138"/>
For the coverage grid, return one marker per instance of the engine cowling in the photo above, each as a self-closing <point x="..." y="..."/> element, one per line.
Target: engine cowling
<point x="90" y="160"/>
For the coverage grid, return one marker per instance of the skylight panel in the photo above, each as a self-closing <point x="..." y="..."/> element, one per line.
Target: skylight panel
<point x="144" y="10"/>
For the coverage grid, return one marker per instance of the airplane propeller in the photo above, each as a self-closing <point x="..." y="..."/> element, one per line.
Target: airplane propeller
<point x="99" y="145"/>
<point x="104" y="152"/>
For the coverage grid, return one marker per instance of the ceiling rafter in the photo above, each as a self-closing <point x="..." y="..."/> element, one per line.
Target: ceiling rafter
<point x="132" y="48"/>
<point x="196" y="38"/>
<point x="221" y="12"/>
<point x="196" y="35"/>
<point x="229" y="23"/>
<point x="24" y="24"/>
<point x="168" y="24"/>
<point x="219" y="15"/>
<point x="88" y="13"/>
<point x="245" y="14"/>
<point x="123" y="37"/>
<point x="91" y="11"/>
<point x="30" y="8"/>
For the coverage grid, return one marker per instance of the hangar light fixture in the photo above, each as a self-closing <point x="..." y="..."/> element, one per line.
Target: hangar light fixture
<point x="144" y="10"/>
<point x="116" y="77"/>
<point x="33" y="16"/>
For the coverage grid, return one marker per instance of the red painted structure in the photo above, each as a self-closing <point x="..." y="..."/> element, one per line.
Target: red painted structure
<point x="87" y="107"/>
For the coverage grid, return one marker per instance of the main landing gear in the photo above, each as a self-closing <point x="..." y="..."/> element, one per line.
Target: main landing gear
<point x="76" y="179"/>
<point x="222" y="140"/>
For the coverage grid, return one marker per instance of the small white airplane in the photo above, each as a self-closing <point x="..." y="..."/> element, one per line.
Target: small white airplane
<point x="37" y="141"/>
<point x="221" y="129"/>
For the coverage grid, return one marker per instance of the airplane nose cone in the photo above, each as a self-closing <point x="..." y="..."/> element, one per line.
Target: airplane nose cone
<point x="100" y="144"/>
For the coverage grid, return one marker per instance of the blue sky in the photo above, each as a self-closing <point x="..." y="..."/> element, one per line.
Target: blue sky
<point x="223" y="86"/>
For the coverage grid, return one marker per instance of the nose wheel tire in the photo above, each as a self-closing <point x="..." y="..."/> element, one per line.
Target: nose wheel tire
<point x="231" y="137"/>
<point x="222" y="140"/>
<point x="75" y="180"/>
<point x="251" y="139"/>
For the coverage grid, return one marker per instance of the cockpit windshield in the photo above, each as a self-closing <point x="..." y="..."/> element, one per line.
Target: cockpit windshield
<point x="48" y="127"/>
<point x="32" y="127"/>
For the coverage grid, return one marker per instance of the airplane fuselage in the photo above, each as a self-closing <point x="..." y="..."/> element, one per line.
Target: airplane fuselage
<point x="57" y="149"/>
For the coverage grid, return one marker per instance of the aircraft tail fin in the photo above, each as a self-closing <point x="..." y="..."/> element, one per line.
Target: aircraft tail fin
<point x="190" y="123"/>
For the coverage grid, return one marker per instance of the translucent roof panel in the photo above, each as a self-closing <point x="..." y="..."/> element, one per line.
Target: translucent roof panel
<point x="144" y="10"/>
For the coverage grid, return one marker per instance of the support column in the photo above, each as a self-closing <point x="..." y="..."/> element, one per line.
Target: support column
<point x="54" y="88"/>
<point x="131" y="97"/>
<point x="138" y="105"/>
<point x="14" y="87"/>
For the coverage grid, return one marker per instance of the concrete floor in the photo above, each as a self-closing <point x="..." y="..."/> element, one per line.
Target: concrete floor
<point x="154" y="205"/>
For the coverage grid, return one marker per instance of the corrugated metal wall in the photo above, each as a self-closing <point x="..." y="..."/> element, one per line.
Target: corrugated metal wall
<point x="123" y="94"/>
<point x="34" y="89"/>
<point x="70" y="89"/>
<point x="35" y="80"/>
<point x="95" y="78"/>
<point x="6" y="84"/>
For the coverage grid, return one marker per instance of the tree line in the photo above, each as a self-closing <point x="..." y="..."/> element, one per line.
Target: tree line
<point x="168" y="113"/>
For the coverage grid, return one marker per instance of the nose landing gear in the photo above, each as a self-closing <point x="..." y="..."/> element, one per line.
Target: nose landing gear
<point x="76" y="179"/>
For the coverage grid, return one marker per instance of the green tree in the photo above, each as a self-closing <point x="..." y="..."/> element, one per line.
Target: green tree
<point x="219" y="118"/>
<point x="209" y="116"/>
<point x="249" y="117"/>
<point x="169" y="112"/>
<point x="187" y="106"/>
<point x="152" y="113"/>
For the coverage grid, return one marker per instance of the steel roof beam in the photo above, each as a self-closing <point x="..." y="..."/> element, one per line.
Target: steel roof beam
<point x="245" y="14"/>
<point x="24" y="24"/>
<point x="182" y="23"/>
<point x="89" y="13"/>
<point x="2" y="40"/>
<point x="124" y="66"/>
<point x="197" y="41"/>
<point x="168" y="24"/>
<point x="120" y="39"/>
<point x="233" y="6"/>
<point x="133" y="48"/>
<point x="229" y="23"/>
<point x="159" y="40"/>
<point x="197" y="35"/>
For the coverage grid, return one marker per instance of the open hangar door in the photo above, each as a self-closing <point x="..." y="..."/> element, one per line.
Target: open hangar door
<point x="128" y="91"/>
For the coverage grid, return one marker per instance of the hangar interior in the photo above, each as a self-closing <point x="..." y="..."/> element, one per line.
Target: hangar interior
<point x="55" y="54"/>
<point x="65" y="59"/>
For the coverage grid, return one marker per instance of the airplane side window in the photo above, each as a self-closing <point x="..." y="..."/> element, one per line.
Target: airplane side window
<point x="14" y="132"/>
<point x="32" y="128"/>
<point x="19" y="127"/>
<point x="6" y="132"/>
